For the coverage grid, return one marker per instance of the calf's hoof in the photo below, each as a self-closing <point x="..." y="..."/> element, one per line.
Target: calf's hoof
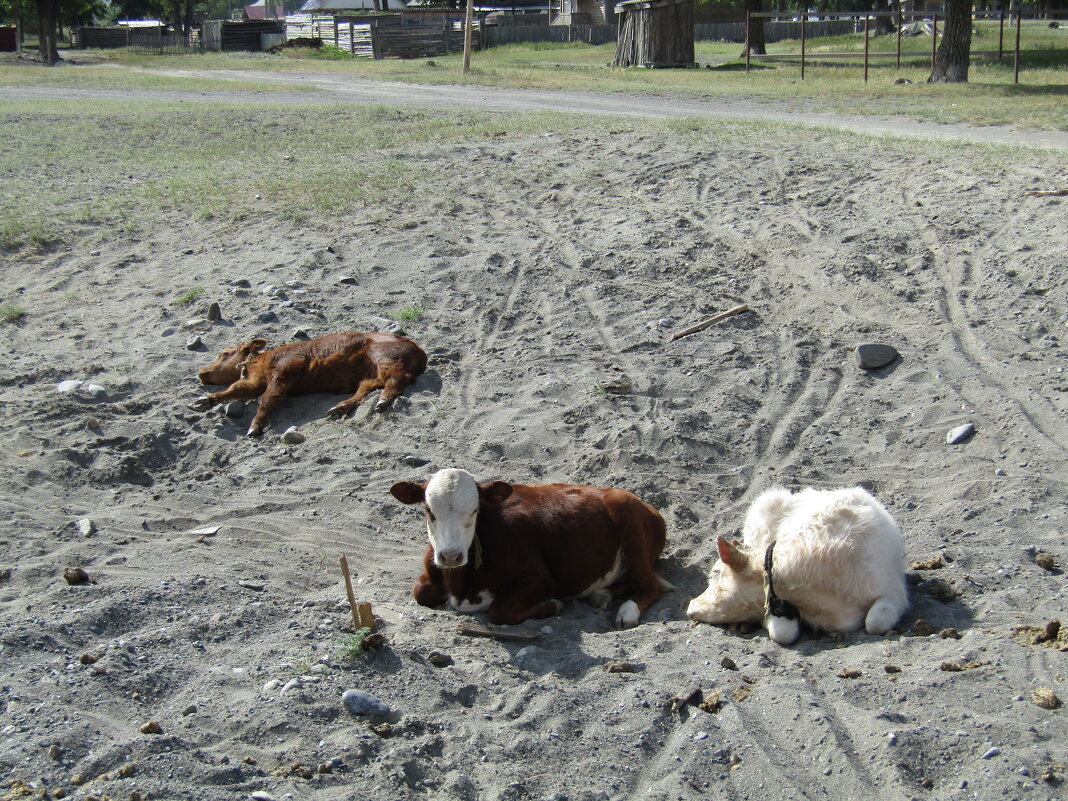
<point x="254" y="431"/>
<point x="337" y="412"/>
<point x="381" y="406"/>
<point x="627" y="618"/>
<point x="599" y="599"/>
<point x="201" y="404"/>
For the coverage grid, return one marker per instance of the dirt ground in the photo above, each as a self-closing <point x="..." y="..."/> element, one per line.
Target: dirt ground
<point x="562" y="272"/>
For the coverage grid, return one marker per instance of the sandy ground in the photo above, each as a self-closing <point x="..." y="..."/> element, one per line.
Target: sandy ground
<point x="541" y="284"/>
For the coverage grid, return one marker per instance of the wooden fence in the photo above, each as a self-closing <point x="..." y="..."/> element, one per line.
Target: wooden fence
<point x="382" y="37"/>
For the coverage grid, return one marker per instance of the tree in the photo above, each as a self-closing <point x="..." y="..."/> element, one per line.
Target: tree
<point x="952" y="59"/>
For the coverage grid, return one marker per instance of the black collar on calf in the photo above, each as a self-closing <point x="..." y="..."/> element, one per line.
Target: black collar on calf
<point x="774" y="606"/>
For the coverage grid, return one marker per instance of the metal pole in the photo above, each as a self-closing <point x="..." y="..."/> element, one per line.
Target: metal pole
<point x="747" y="23"/>
<point x="934" y="40"/>
<point x="899" y="21"/>
<point x="865" y="49"/>
<point x="804" y="18"/>
<point x="1001" y="33"/>
<point x="1016" y="62"/>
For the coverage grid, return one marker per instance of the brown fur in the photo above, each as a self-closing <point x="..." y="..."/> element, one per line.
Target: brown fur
<point x="545" y="542"/>
<point x="352" y="361"/>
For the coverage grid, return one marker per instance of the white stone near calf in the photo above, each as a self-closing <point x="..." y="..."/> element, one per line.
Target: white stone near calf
<point x="838" y="560"/>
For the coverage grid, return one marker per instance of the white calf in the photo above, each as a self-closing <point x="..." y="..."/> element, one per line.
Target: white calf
<point x="838" y="558"/>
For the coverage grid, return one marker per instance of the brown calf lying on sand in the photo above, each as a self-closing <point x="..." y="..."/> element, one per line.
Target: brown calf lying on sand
<point x="352" y="361"/>
<point x="513" y="551"/>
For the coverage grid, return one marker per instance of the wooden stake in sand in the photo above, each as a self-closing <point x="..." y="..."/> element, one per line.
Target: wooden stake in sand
<point x="1047" y="192"/>
<point x="361" y="613"/>
<point x="701" y="326"/>
<point x="518" y="635"/>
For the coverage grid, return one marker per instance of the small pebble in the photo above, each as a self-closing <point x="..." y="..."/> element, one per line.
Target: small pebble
<point x="94" y="391"/>
<point x="999" y="472"/>
<point x="438" y="659"/>
<point x="289" y="685"/>
<point x="189" y="710"/>
<point x="415" y="461"/>
<point x="1045" y="698"/>
<point x="196" y="322"/>
<point x="267" y="317"/>
<point x="214" y="311"/>
<point x="873" y="356"/>
<point x="68" y="386"/>
<point x="701" y="735"/>
<point x="234" y="409"/>
<point x="273" y="684"/>
<point x="960" y="434"/>
<point x="361" y="703"/>
<point x="75" y="575"/>
<point x="259" y="795"/>
<point x="152" y="727"/>
<point x="194" y="342"/>
<point x="993" y="752"/>
<point x="292" y="436"/>
<point x="347" y="279"/>
<point x="300" y="333"/>
<point x="728" y="663"/>
<point x="86" y="527"/>
<point x="665" y="322"/>
<point x="241" y="282"/>
<point x="891" y="739"/>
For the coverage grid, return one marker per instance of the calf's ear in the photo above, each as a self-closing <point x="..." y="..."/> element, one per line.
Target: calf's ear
<point x="729" y="553"/>
<point x="408" y="492"/>
<point x="254" y="346"/>
<point x="494" y="491"/>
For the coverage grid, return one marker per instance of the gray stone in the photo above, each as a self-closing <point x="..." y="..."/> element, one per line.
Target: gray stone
<point x="665" y="322"/>
<point x="292" y="436"/>
<point x="168" y="332"/>
<point x="68" y="386"/>
<point x="86" y="527"/>
<point x="999" y="472"/>
<point x="415" y="461"/>
<point x="991" y="753"/>
<point x="873" y="356"/>
<point x="243" y="283"/>
<point x="361" y="703"/>
<point x="289" y="685"/>
<point x="386" y="325"/>
<point x="214" y="311"/>
<point x="193" y="343"/>
<point x="960" y="434"/>
<point x="267" y="290"/>
<point x="347" y="279"/>
<point x="234" y="409"/>
<point x="259" y="795"/>
<point x="207" y="531"/>
<point x="300" y="333"/>
<point x="273" y="684"/>
<point x="94" y="391"/>
<point x="196" y="322"/>
<point x="267" y="317"/>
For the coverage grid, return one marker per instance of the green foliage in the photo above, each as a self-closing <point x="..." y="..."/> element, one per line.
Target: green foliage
<point x="189" y="296"/>
<point x="409" y="314"/>
<point x="350" y="646"/>
<point x="11" y="313"/>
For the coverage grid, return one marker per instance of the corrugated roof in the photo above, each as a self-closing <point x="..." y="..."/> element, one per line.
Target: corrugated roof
<point x="345" y="5"/>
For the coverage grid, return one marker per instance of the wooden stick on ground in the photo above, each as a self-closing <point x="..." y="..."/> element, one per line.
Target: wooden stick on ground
<point x="1047" y="192"/>
<point x="478" y="630"/>
<point x="701" y="326"/>
<point x="348" y="589"/>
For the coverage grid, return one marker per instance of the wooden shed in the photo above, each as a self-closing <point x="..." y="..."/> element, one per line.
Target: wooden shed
<point x="654" y="33"/>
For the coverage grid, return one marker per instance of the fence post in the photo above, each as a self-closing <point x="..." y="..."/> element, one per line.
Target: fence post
<point x="1001" y="33"/>
<point x="865" y="48"/>
<point x="747" y="23"/>
<point x="1016" y="61"/>
<point x="352" y="38"/>
<point x="804" y="18"/>
<point x="934" y="40"/>
<point x="899" y="21"/>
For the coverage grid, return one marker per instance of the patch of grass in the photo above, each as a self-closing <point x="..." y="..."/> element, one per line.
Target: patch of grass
<point x="409" y="314"/>
<point x="189" y="296"/>
<point x="71" y="295"/>
<point x="350" y="646"/>
<point x="11" y="313"/>
<point x="599" y="389"/>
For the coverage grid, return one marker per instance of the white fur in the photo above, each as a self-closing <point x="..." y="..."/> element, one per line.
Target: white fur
<point x="484" y="602"/>
<point x="839" y="558"/>
<point x="452" y="498"/>
<point x="627" y="618"/>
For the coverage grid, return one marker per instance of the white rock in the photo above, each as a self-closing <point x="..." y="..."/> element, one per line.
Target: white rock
<point x="68" y="386"/>
<point x="273" y="684"/>
<point x="86" y="527"/>
<point x="289" y="685"/>
<point x="94" y="391"/>
<point x="292" y="436"/>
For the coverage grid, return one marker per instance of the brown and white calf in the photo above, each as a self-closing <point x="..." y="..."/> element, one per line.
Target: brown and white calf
<point x="352" y="361"/>
<point x="514" y="551"/>
<point x="838" y="559"/>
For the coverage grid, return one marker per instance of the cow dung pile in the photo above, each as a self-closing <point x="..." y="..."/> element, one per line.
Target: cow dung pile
<point x="173" y="623"/>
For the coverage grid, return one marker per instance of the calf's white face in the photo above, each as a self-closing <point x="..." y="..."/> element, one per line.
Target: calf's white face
<point x="735" y="591"/>
<point x="451" y="498"/>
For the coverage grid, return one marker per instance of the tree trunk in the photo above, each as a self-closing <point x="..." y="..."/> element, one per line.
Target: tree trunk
<point x="756" y="29"/>
<point x="46" y="26"/>
<point x="187" y="18"/>
<point x="883" y="25"/>
<point x="951" y="60"/>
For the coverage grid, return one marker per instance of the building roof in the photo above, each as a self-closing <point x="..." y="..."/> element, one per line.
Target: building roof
<point x="347" y="5"/>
